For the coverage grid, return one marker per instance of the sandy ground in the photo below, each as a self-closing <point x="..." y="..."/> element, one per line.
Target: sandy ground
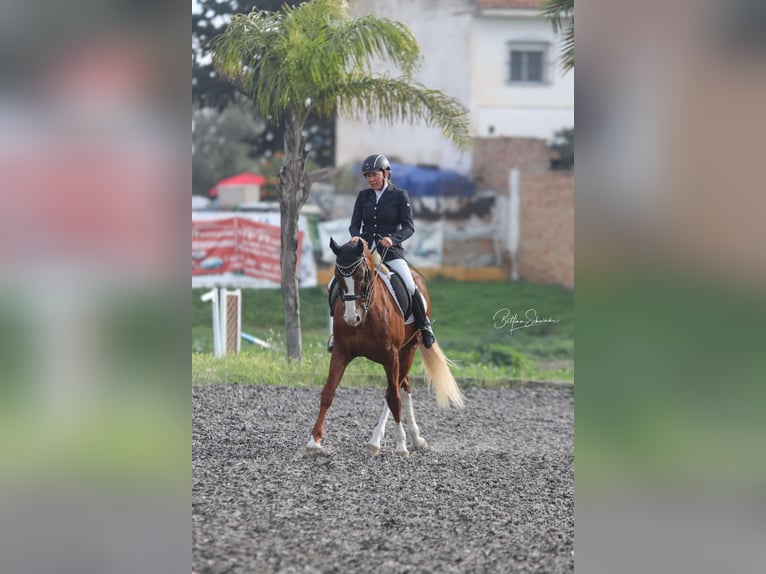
<point x="493" y="493"/>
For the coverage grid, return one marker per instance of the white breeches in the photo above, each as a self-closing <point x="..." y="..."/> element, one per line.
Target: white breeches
<point x="400" y="267"/>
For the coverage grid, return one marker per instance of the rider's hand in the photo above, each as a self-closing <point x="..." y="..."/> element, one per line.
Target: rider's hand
<point x="355" y="239"/>
<point x="386" y="242"/>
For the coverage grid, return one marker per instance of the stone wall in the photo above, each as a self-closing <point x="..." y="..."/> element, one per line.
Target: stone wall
<point x="546" y="241"/>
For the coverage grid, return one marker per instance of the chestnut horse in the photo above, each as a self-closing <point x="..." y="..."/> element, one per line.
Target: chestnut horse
<point x="369" y="324"/>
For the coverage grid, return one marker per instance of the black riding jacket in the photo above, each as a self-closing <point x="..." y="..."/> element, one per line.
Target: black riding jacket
<point x="390" y="217"/>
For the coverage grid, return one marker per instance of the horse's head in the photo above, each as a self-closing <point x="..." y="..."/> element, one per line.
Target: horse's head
<point x="353" y="272"/>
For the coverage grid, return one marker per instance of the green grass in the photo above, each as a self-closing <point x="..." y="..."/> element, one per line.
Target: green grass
<point x="674" y="368"/>
<point x="465" y="318"/>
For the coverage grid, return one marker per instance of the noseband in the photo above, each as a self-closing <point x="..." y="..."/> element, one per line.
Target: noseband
<point x="348" y="271"/>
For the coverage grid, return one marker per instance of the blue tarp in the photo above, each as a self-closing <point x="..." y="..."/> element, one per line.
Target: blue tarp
<point x="422" y="181"/>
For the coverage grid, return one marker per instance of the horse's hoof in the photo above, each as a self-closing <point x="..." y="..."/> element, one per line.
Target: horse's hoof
<point x="403" y="453"/>
<point x="420" y="444"/>
<point x="372" y="450"/>
<point x="313" y="447"/>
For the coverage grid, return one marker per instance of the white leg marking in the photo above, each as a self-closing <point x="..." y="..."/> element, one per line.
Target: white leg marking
<point x="401" y="440"/>
<point x="373" y="447"/>
<point x="313" y="446"/>
<point x="412" y="427"/>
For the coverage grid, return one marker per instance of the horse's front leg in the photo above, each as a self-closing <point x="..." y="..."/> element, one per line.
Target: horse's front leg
<point x="373" y="447"/>
<point x="337" y="368"/>
<point x="395" y="403"/>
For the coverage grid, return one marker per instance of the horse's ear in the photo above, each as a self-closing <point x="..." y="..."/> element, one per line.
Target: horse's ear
<point x="334" y="246"/>
<point x="359" y="247"/>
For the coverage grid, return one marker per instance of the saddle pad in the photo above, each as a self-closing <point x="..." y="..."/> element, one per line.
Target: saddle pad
<point x="396" y="287"/>
<point x="401" y="294"/>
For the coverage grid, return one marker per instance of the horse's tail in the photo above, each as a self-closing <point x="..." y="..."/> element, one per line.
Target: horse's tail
<point x="439" y="377"/>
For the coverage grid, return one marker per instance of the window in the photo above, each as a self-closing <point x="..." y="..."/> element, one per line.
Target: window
<point x="527" y="63"/>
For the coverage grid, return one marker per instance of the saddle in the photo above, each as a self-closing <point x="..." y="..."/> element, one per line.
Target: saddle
<point x="403" y="297"/>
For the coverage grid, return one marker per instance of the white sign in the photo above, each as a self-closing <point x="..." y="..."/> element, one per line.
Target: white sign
<point x="423" y="249"/>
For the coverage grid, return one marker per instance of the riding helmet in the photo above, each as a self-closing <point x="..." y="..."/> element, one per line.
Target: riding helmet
<point x="375" y="162"/>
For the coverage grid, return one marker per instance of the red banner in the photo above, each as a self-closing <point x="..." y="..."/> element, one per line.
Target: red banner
<point x="237" y="245"/>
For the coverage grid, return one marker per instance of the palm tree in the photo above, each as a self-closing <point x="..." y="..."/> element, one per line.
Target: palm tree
<point x="315" y="58"/>
<point x="561" y="15"/>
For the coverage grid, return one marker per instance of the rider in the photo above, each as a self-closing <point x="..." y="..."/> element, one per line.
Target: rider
<point x="383" y="218"/>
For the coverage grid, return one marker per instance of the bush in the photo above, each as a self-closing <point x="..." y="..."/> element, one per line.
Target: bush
<point x="504" y="356"/>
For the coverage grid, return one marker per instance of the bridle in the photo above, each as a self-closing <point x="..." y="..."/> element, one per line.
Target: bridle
<point x="350" y="269"/>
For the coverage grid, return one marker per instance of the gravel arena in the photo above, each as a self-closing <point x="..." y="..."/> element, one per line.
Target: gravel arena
<point x="494" y="492"/>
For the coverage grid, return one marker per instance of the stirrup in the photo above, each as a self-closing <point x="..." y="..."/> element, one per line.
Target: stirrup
<point x="330" y="343"/>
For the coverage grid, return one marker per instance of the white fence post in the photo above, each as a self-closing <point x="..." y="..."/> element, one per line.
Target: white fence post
<point x="212" y="296"/>
<point x="514" y="222"/>
<point x="227" y="314"/>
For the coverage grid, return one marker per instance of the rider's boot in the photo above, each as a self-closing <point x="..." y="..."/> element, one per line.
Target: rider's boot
<point x="421" y="319"/>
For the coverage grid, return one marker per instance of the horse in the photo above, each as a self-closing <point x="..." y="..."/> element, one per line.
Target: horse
<point x="370" y="324"/>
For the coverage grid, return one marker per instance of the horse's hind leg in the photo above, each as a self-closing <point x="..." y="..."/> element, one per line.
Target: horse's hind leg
<point x="405" y="363"/>
<point x="395" y="404"/>
<point x="418" y="442"/>
<point x="337" y="368"/>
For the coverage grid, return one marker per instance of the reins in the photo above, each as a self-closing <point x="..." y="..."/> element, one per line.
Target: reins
<point x="366" y="303"/>
<point x="348" y="270"/>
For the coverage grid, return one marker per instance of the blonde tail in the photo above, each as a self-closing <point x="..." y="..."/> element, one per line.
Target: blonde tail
<point x="439" y="377"/>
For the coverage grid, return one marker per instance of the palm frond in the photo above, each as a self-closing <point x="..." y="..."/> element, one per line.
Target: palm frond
<point x="367" y="41"/>
<point x="246" y="51"/>
<point x="401" y="100"/>
<point x="315" y="56"/>
<point x="559" y="12"/>
<point x="561" y="15"/>
<point x="567" y="49"/>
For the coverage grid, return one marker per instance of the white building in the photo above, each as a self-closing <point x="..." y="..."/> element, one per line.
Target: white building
<point x="499" y="57"/>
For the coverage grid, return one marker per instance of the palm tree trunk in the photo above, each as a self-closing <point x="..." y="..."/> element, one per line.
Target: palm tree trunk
<point x="292" y="192"/>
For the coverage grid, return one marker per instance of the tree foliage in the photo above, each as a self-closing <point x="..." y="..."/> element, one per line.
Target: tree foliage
<point x="209" y="19"/>
<point x="314" y="58"/>
<point x="561" y="15"/>
<point x="563" y="148"/>
<point x="222" y="143"/>
<point x="211" y="90"/>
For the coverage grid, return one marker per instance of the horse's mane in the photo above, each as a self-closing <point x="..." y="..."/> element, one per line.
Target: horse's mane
<point x="374" y="257"/>
<point x="367" y="252"/>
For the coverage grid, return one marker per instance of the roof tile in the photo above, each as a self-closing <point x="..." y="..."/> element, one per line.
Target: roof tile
<point x="524" y="4"/>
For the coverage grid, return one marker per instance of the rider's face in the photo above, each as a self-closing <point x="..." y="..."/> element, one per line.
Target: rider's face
<point x="375" y="180"/>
